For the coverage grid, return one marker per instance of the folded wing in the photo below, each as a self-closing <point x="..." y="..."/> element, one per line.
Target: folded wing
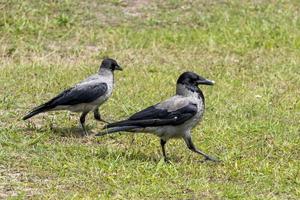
<point x="79" y="94"/>
<point x="159" y="116"/>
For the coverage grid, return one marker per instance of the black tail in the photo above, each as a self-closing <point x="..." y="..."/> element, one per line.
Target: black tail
<point x="37" y="110"/>
<point x="117" y="129"/>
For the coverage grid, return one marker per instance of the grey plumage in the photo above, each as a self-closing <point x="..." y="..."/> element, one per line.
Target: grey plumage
<point x="85" y="96"/>
<point x="172" y="118"/>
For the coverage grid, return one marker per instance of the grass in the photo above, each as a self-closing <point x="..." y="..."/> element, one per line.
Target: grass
<point x="250" y="48"/>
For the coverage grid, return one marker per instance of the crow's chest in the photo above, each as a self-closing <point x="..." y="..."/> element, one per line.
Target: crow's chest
<point x="198" y="116"/>
<point x="105" y="96"/>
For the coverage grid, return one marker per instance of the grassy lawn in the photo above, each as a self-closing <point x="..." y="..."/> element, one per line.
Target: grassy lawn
<point x="251" y="49"/>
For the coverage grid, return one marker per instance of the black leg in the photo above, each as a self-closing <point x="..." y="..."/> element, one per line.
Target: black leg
<point x="97" y="115"/>
<point x="82" y="121"/>
<point x="192" y="147"/>
<point x="163" y="143"/>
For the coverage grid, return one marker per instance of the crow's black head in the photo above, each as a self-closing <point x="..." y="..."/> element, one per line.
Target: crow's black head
<point x="193" y="79"/>
<point x="110" y="64"/>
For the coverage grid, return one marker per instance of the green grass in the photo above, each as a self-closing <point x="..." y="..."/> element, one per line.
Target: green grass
<point x="250" y="48"/>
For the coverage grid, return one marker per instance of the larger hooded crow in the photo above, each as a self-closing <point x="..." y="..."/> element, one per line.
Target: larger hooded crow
<point x="85" y="96"/>
<point x="172" y="118"/>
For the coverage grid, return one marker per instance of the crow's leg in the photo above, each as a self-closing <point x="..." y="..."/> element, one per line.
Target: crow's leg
<point x="82" y="122"/>
<point x="163" y="143"/>
<point x="191" y="146"/>
<point x="97" y="116"/>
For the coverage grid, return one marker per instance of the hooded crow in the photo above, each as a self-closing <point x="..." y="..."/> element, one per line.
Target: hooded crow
<point x="85" y="96"/>
<point x="172" y="118"/>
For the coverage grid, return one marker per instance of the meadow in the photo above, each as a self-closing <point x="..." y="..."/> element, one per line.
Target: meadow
<point x="251" y="49"/>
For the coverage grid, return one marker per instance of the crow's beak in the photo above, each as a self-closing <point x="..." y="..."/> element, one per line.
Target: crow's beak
<point x="205" y="82"/>
<point x="118" y="68"/>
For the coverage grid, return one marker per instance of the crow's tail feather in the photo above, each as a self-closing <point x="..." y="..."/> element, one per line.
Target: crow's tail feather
<point x="37" y="110"/>
<point x="117" y="129"/>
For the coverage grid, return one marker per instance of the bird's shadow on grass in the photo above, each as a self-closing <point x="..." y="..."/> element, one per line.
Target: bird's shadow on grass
<point x="141" y="157"/>
<point x="73" y="131"/>
<point x="70" y="131"/>
<point x="122" y="155"/>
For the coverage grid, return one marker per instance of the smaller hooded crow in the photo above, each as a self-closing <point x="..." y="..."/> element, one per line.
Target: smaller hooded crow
<point x="85" y="96"/>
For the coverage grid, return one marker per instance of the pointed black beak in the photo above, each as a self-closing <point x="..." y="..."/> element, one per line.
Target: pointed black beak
<point x="118" y="68"/>
<point x="205" y="82"/>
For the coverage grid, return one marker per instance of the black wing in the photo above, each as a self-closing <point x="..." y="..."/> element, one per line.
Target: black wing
<point x="153" y="116"/>
<point x="79" y="94"/>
